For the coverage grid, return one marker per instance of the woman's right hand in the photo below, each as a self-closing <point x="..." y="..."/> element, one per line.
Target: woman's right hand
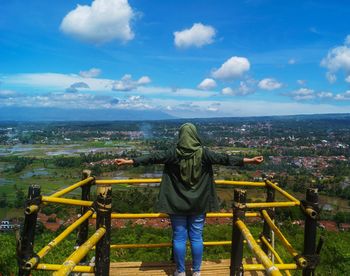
<point x="255" y="160"/>
<point x="120" y="161"/>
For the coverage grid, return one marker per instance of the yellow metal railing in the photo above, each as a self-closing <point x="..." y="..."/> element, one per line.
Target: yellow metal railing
<point x="72" y="262"/>
<point x="274" y="252"/>
<point x="80" y="253"/>
<point x="270" y="268"/>
<point x="300" y="260"/>
<point x="41" y="254"/>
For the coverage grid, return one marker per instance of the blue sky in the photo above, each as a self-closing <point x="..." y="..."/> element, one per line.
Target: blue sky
<point x="185" y="58"/>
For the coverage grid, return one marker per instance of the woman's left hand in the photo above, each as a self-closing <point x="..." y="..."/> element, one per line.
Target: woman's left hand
<point x="120" y="162"/>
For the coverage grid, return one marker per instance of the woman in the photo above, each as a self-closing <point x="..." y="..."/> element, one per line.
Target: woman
<point x="187" y="190"/>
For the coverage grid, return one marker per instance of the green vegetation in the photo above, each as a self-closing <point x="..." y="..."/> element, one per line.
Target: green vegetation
<point x="335" y="255"/>
<point x="134" y="200"/>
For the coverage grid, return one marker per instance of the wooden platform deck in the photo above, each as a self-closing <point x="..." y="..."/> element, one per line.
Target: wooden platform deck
<point x="213" y="268"/>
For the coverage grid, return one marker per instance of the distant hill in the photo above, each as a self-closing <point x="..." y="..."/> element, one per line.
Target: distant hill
<point x="58" y="114"/>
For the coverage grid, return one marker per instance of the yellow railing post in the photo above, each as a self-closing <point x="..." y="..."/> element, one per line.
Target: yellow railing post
<point x="42" y="253"/>
<point x="80" y="253"/>
<point x="274" y="253"/>
<point x="310" y="231"/>
<point x="299" y="259"/>
<point x="270" y="268"/>
<point x="103" y="219"/>
<point x="85" y="195"/>
<point x="25" y="244"/>
<point x="239" y="200"/>
<point x="270" y="197"/>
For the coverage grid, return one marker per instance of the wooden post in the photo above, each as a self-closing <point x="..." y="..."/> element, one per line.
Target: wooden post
<point x="311" y="210"/>
<point x="103" y="219"/>
<point x="85" y="195"/>
<point x="239" y="200"/>
<point x="270" y="197"/>
<point x="25" y="243"/>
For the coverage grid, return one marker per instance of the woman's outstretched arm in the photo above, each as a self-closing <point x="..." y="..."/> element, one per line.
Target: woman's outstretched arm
<point x="158" y="157"/>
<point x="231" y="160"/>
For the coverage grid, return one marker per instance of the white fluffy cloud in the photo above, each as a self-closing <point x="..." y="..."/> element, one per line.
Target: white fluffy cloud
<point x="197" y="36"/>
<point x="103" y="21"/>
<point x="135" y="102"/>
<point x="227" y="91"/>
<point x="343" y="97"/>
<point x="233" y="68"/>
<point x="303" y="94"/>
<point x="245" y="88"/>
<point x="337" y="59"/>
<point x="143" y="80"/>
<point x="207" y="84"/>
<point x="127" y="83"/>
<point x="214" y="107"/>
<point x="309" y="94"/>
<point x="269" y="84"/>
<point x="73" y="88"/>
<point x="325" y="95"/>
<point x="175" y="92"/>
<point x="347" y="79"/>
<point x="91" y="73"/>
<point x="8" y="93"/>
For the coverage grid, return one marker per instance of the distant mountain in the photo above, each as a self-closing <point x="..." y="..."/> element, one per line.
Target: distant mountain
<point x="60" y="114"/>
<point x="298" y="117"/>
<point x="34" y="114"/>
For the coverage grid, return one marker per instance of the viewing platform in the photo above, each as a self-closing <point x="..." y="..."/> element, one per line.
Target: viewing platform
<point x="266" y="259"/>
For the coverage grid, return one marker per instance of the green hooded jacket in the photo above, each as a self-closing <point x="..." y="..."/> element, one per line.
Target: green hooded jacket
<point x="187" y="186"/>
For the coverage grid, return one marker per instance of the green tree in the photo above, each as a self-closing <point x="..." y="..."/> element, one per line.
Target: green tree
<point x="20" y="199"/>
<point x="3" y="200"/>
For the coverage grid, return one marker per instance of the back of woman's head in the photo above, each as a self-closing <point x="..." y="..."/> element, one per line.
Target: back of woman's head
<point x="189" y="150"/>
<point x="188" y="138"/>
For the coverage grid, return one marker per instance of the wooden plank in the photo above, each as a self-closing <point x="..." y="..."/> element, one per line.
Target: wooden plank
<point x="219" y="267"/>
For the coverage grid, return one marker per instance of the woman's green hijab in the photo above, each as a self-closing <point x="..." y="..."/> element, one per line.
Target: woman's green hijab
<point x="189" y="149"/>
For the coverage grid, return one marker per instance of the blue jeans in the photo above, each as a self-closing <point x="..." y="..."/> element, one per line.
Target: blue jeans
<point x="192" y="227"/>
